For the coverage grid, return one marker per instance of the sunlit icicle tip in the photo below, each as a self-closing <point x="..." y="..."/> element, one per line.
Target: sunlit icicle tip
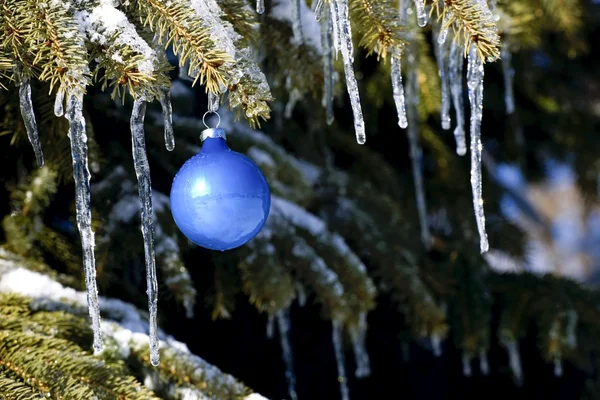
<point x="29" y="119"/>
<point x="81" y="177"/>
<point x="142" y="172"/>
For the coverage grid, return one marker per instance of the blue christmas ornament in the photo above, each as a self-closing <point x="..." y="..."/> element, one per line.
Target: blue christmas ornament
<point x="220" y="199"/>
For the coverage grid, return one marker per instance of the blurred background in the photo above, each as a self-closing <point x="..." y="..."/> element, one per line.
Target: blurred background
<point x="443" y="322"/>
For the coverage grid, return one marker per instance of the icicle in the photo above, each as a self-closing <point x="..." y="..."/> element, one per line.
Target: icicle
<point x="319" y="10"/>
<point x="142" y="171"/>
<point x="421" y="14"/>
<point x="336" y="336"/>
<point x="283" y="323"/>
<point x="213" y="102"/>
<point x="412" y="91"/>
<point x="455" y="75"/>
<point x="328" y="71"/>
<point x="444" y="28"/>
<point x="339" y="12"/>
<point x="29" y="119"/>
<point x="443" y="73"/>
<point x="475" y="85"/>
<point x="295" y="95"/>
<point x="403" y="12"/>
<point x="297" y="22"/>
<point x="466" y="364"/>
<point x="358" y="336"/>
<point x="301" y="294"/>
<point x="81" y="177"/>
<point x="514" y="359"/>
<point x="508" y="72"/>
<point x="398" y="89"/>
<point x="484" y="365"/>
<point x="167" y="112"/>
<point x="436" y="344"/>
<point x="58" y="102"/>
<point x="270" y="326"/>
<point x="260" y="6"/>
<point x="558" y="367"/>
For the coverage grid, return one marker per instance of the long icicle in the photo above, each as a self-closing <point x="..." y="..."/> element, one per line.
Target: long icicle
<point x="283" y="324"/>
<point x="508" y="72"/>
<point x="142" y="172"/>
<point x="328" y="72"/>
<point x="167" y="112"/>
<point x="81" y="177"/>
<point x="29" y="119"/>
<point x="455" y="72"/>
<point x="475" y="75"/>
<point x="297" y="22"/>
<point x="358" y="336"/>
<point x="339" y="12"/>
<point x="441" y="54"/>
<point x="398" y="88"/>
<point x="336" y="337"/>
<point x="412" y="91"/>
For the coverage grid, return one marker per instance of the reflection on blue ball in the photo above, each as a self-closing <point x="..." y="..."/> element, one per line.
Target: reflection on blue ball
<point x="220" y="199"/>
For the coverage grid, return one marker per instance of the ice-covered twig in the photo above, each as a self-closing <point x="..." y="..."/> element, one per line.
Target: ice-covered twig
<point x="29" y="119"/>
<point x="475" y="85"/>
<point x="81" y="177"/>
<point x="343" y="34"/>
<point x="142" y="171"/>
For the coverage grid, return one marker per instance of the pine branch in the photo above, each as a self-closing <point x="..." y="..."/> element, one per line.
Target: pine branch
<point x="242" y="19"/>
<point x="377" y="21"/>
<point x="13" y="389"/>
<point x="473" y="23"/>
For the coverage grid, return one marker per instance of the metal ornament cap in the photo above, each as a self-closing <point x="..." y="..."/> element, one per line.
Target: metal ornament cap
<point x="213" y="133"/>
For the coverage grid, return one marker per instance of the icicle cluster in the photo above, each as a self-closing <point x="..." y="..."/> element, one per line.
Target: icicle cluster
<point x="29" y="119"/>
<point x="343" y="42"/>
<point x="415" y="149"/>
<point x="509" y="73"/>
<point x="455" y="77"/>
<point x="81" y="177"/>
<point x="338" y="348"/>
<point x="358" y="336"/>
<point x="283" y="324"/>
<point x="142" y="171"/>
<point x="328" y="71"/>
<point x="398" y="88"/>
<point x="475" y="87"/>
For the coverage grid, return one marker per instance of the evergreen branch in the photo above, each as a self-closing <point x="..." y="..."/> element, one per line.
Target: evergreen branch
<point x="474" y="20"/>
<point x="57" y="44"/>
<point x="377" y="21"/>
<point x="242" y="19"/>
<point x="15" y="30"/>
<point x="12" y="388"/>
<point x="190" y="40"/>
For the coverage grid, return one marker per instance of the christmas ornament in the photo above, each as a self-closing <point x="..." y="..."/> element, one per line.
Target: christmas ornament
<point x="220" y="199"/>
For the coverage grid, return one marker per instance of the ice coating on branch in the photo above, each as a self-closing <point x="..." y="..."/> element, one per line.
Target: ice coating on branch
<point x="484" y="365"/>
<point x="167" y="112"/>
<point x="466" y="364"/>
<point x="260" y="6"/>
<point x="213" y="102"/>
<point x="58" y="102"/>
<point x="421" y="13"/>
<point x="358" y="336"/>
<point x="283" y="324"/>
<point x="142" y="172"/>
<point x="398" y="88"/>
<point x="328" y="71"/>
<point x="455" y="77"/>
<point x="336" y="337"/>
<point x="341" y="22"/>
<point x="403" y="12"/>
<point x="29" y="119"/>
<point x="105" y="22"/>
<point x="270" y="326"/>
<point x="441" y="50"/>
<point x="475" y="87"/>
<point x="412" y="94"/>
<point x="81" y="177"/>
<point x="508" y="72"/>
<point x="514" y="359"/>
<point x="297" y="22"/>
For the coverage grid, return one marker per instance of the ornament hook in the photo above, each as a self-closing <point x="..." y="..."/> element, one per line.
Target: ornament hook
<point x="204" y="119"/>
